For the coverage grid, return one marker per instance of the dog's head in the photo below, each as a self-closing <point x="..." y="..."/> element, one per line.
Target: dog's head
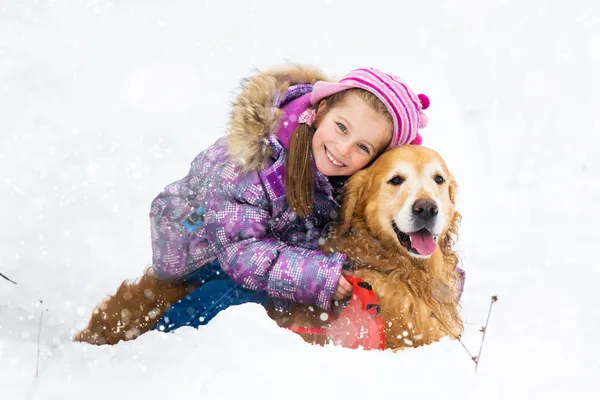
<point x="405" y="198"/>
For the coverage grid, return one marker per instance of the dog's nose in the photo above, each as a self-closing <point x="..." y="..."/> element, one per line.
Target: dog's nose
<point x="425" y="209"/>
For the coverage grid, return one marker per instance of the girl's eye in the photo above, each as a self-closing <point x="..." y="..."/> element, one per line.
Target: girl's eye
<point x="364" y="148"/>
<point x="342" y="127"/>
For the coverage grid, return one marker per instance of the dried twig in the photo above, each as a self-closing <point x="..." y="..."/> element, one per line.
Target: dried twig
<point x="483" y="329"/>
<point x="7" y="278"/>
<point x="37" y="368"/>
<point x="455" y="337"/>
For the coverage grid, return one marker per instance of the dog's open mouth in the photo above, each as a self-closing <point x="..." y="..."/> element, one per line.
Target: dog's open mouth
<point x="420" y="242"/>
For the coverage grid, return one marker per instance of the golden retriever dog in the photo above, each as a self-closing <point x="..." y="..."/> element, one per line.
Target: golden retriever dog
<point x="398" y="225"/>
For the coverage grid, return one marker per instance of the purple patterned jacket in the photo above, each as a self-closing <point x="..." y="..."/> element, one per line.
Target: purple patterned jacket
<point x="248" y="226"/>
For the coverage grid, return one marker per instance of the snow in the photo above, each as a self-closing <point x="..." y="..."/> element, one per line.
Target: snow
<point x="104" y="103"/>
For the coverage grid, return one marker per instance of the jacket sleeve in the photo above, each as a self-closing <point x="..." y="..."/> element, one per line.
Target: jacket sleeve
<point x="237" y="228"/>
<point x="170" y="239"/>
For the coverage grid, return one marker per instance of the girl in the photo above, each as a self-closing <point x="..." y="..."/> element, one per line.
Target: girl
<point x="246" y="221"/>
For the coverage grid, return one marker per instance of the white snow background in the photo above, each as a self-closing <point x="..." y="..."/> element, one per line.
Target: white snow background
<point x="103" y="103"/>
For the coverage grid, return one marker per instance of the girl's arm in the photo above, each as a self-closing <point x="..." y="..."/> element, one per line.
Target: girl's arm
<point x="250" y="255"/>
<point x="236" y="227"/>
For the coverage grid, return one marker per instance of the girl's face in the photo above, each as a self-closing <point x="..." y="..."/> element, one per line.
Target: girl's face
<point x="349" y="136"/>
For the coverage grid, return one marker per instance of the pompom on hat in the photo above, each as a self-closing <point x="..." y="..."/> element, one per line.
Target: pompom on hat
<point x="404" y="105"/>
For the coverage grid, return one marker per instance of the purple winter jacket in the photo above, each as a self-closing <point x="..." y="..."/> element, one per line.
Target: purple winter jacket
<point x="248" y="226"/>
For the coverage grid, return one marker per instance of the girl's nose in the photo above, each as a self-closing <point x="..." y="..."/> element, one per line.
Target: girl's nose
<point x="343" y="149"/>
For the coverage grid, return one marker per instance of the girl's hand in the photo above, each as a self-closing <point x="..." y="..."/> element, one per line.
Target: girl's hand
<point x="343" y="290"/>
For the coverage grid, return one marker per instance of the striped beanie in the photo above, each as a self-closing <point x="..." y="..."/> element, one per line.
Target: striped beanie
<point x="404" y="105"/>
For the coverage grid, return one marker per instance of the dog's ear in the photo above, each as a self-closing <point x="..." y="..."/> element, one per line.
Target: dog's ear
<point x="353" y="192"/>
<point x="452" y="189"/>
<point x="451" y="235"/>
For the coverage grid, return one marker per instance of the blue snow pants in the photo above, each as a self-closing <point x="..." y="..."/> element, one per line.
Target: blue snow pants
<point x="217" y="292"/>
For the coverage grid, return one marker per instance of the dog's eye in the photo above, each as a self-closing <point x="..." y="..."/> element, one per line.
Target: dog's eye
<point x="439" y="179"/>
<point x="397" y="180"/>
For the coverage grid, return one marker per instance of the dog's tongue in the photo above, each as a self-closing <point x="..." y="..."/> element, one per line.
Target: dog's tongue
<point x="423" y="242"/>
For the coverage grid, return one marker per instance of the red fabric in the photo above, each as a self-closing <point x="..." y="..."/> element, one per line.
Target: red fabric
<point x="359" y="324"/>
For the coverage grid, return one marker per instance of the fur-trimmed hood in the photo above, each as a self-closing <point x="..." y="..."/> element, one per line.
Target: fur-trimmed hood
<point x="253" y="116"/>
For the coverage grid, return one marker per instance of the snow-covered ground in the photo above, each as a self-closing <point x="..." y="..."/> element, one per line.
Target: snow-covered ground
<point x="104" y="103"/>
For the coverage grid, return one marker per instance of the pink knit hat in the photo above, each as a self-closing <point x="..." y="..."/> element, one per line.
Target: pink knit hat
<point x="404" y="106"/>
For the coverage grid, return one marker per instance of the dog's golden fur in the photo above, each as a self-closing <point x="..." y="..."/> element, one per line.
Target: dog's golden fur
<point x="417" y="295"/>
<point x="134" y="309"/>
